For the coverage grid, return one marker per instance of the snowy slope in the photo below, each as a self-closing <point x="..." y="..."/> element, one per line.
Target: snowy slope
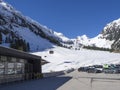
<point x="98" y="41"/>
<point x="63" y="59"/>
<point x="14" y="25"/>
<point x="108" y="38"/>
<point x="83" y="40"/>
<point x="36" y="43"/>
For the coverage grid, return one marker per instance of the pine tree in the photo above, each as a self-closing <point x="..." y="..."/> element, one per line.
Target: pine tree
<point x="28" y="47"/>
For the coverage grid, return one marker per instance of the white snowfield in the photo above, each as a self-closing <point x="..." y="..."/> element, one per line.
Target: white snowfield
<point x="63" y="59"/>
<point x="98" y="41"/>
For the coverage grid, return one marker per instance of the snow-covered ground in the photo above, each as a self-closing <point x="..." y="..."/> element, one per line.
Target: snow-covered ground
<point x="63" y="59"/>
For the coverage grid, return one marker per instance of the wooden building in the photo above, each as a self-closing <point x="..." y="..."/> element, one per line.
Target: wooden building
<point x="17" y="65"/>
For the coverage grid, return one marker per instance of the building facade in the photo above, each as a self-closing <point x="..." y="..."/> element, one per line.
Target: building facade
<point x="17" y="65"/>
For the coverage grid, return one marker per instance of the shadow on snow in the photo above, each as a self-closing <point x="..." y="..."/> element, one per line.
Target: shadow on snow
<point x="51" y="83"/>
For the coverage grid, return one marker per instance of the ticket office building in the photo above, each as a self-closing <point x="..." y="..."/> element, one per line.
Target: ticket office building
<point x="17" y="65"/>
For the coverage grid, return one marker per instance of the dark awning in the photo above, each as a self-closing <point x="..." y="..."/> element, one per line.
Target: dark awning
<point x="17" y="53"/>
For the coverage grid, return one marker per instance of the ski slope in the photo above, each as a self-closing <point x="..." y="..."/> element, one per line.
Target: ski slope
<point x="63" y="59"/>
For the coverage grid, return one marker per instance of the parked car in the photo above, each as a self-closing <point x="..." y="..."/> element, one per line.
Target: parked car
<point x="83" y="69"/>
<point x="94" y="70"/>
<point x="98" y="66"/>
<point x="112" y="69"/>
<point x="106" y="68"/>
<point x="91" y="70"/>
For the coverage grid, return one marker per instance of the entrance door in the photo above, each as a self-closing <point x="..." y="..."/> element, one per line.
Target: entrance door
<point x="28" y="71"/>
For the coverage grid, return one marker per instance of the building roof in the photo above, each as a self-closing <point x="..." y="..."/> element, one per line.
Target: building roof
<point x="17" y="53"/>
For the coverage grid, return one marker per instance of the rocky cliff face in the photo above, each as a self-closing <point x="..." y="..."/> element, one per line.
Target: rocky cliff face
<point x="112" y="32"/>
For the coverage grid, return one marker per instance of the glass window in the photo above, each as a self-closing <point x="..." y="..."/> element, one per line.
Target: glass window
<point x="21" y="60"/>
<point x="19" y="71"/>
<point x="9" y="59"/>
<point x="11" y="71"/>
<point x="19" y="65"/>
<point x="11" y="68"/>
<point x="1" y="70"/>
<point x="19" y="68"/>
<point x="13" y="59"/>
<point x="2" y="65"/>
<point x="11" y="65"/>
<point x="3" y="58"/>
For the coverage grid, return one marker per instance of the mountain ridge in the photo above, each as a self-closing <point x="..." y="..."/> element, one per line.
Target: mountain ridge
<point x="15" y="26"/>
<point x="109" y="38"/>
<point x="16" y="31"/>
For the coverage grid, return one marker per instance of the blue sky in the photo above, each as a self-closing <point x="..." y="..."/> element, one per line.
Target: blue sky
<point x="70" y="17"/>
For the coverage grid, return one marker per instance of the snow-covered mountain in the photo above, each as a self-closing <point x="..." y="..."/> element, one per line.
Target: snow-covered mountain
<point x="21" y="32"/>
<point x="14" y="28"/>
<point x="108" y="38"/>
<point x="98" y="41"/>
<point x="112" y="33"/>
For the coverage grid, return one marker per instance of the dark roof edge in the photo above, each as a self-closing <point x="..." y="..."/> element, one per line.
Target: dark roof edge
<point x="17" y="53"/>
